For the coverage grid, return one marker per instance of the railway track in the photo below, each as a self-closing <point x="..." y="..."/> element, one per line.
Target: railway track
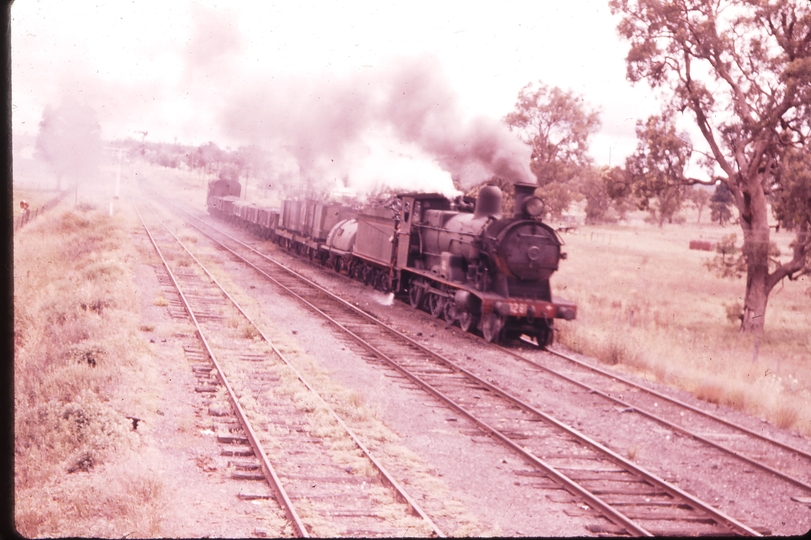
<point x="627" y="499"/>
<point x="786" y="462"/>
<point x="278" y="429"/>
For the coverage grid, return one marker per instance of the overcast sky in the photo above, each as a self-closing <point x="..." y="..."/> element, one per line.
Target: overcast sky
<point x="172" y="67"/>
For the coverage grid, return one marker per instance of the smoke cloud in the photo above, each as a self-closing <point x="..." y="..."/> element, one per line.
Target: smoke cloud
<point x="398" y="126"/>
<point x="69" y="141"/>
<point x="422" y="107"/>
<point x="345" y="127"/>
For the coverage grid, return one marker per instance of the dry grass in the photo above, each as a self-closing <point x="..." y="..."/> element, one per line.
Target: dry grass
<point x="647" y="304"/>
<point x="787" y="415"/>
<point x="711" y="392"/>
<point x="76" y="348"/>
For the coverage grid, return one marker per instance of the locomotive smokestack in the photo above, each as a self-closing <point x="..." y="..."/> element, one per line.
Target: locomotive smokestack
<point x="522" y="193"/>
<point x="488" y="203"/>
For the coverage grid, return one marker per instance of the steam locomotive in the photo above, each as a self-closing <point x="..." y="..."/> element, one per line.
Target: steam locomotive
<point x="459" y="260"/>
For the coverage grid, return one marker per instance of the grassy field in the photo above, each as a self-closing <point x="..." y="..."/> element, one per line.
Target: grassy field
<point x="647" y="303"/>
<point x="77" y="376"/>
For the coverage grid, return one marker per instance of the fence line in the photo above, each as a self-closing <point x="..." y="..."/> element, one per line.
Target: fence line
<point x="28" y="215"/>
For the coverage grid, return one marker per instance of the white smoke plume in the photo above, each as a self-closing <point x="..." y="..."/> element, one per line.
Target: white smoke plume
<point x="334" y="126"/>
<point x="69" y="141"/>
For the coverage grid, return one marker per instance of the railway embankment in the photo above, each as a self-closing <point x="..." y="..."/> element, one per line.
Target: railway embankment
<point x="77" y="362"/>
<point x="109" y="437"/>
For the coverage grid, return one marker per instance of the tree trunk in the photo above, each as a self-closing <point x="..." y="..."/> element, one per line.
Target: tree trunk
<point x="756" y="239"/>
<point x="757" y="296"/>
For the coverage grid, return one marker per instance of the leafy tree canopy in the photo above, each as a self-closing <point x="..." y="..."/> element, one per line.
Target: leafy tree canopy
<point x="657" y="169"/>
<point x="557" y="125"/>
<point x="720" y="203"/>
<point x="699" y="197"/>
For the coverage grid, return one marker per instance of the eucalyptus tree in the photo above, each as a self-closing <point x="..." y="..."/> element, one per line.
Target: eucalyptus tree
<point x="658" y="168"/>
<point x="557" y="124"/>
<point x="742" y="70"/>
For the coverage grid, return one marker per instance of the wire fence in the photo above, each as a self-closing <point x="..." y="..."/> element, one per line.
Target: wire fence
<point x="28" y="215"/>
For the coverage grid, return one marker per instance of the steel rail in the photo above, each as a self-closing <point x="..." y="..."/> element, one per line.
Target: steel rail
<point x="682" y="404"/>
<point x="655" y="417"/>
<point x="267" y="468"/>
<point x="415" y="508"/>
<point x="611" y="513"/>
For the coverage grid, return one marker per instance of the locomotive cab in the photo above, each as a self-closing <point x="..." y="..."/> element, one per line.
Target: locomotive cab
<point x="222" y="188"/>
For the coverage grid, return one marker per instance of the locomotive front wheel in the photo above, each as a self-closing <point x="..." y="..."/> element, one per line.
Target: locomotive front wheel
<point x="467" y="321"/>
<point x="544" y="335"/>
<point x="492" y="323"/>
<point x="415" y="294"/>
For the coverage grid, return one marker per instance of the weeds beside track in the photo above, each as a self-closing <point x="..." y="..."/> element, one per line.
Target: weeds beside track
<point x="77" y="348"/>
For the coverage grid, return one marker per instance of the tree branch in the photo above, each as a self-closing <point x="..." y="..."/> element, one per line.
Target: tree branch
<point x="799" y="264"/>
<point x="703" y="122"/>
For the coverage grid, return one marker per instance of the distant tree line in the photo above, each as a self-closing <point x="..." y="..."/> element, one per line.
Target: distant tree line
<point x="246" y="163"/>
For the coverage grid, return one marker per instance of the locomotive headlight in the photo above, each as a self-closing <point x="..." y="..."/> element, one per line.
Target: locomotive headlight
<point x="533" y="206"/>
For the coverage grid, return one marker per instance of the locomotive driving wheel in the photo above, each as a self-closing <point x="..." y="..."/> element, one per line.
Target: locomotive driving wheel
<point x="449" y="311"/>
<point x="436" y="304"/>
<point x="492" y="324"/>
<point x="416" y="293"/>
<point x="467" y="321"/>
